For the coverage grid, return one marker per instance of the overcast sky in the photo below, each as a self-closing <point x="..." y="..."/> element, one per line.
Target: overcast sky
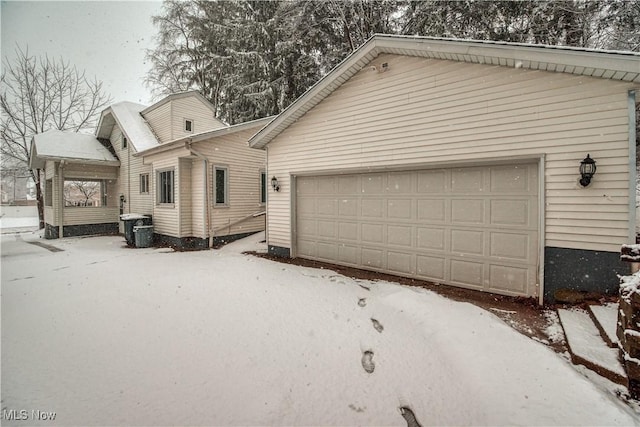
<point x="106" y="38"/>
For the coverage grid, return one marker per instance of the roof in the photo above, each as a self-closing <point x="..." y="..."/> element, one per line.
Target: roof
<point x="129" y="119"/>
<point x="178" y="95"/>
<point x="181" y="142"/>
<point x="612" y="65"/>
<point x="70" y="146"/>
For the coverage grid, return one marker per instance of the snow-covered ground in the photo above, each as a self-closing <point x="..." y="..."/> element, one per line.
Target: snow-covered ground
<point x="12" y="217"/>
<point x="105" y="335"/>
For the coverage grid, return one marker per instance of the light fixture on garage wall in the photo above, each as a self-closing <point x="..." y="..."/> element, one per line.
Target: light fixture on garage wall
<point x="587" y="170"/>
<point x="274" y="184"/>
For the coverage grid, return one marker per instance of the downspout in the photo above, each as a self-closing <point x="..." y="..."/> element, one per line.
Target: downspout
<point x="206" y="220"/>
<point x="129" y="178"/>
<point x="631" y="104"/>
<point x="61" y="200"/>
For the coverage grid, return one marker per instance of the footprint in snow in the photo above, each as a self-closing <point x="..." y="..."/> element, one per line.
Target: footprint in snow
<point x="362" y="302"/>
<point x="367" y="361"/>
<point x="409" y="417"/>
<point x="377" y="325"/>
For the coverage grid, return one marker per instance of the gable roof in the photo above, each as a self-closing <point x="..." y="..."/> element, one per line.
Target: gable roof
<point x="179" y="95"/>
<point x="128" y="117"/>
<point x="180" y="142"/>
<point x="70" y="146"/>
<point x="612" y="65"/>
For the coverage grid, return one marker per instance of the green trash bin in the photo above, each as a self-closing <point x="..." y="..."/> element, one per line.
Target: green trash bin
<point x="144" y="235"/>
<point x="131" y="220"/>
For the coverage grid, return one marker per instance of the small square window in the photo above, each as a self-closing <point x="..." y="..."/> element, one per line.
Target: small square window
<point x="188" y="125"/>
<point x="144" y="183"/>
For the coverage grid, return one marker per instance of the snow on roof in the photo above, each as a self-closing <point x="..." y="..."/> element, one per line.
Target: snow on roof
<point x="59" y="145"/>
<point x="134" y="126"/>
<point x="624" y="66"/>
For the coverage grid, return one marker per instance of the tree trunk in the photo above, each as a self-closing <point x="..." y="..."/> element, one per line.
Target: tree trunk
<point x="39" y="198"/>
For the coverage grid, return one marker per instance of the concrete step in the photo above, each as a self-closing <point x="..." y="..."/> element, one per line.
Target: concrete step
<point x="605" y="318"/>
<point x="588" y="348"/>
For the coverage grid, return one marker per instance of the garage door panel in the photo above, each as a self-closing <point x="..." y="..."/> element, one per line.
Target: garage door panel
<point x="372" y="233"/>
<point x="505" y="179"/>
<point x="326" y="185"/>
<point x="307" y="248"/>
<point x="467" y="180"/>
<point x="327" y="207"/>
<point x="430" y="267"/>
<point x="467" y="272"/>
<point x="372" y="208"/>
<point x="372" y="257"/>
<point x="431" y="238"/>
<point x="348" y="254"/>
<point x="510" y="212"/>
<point x="307" y="227"/>
<point x="432" y="210"/>
<point x="510" y="245"/>
<point x="467" y="211"/>
<point x="399" y="208"/>
<point x="327" y="229"/>
<point x="348" y="231"/>
<point x="372" y="184"/>
<point x="400" y="262"/>
<point x="432" y="181"/>
<point x="467" y="242"/>
<point x="400" y="235"/>
<point x="327" y="251"/>
<point x="348" y="207"/>
<point x="348" y="184"/>
<point x="307" y="206"/>
<point x="508" y="278"/>
<point x="470" y="227"/>
<point x="400" y="183"/>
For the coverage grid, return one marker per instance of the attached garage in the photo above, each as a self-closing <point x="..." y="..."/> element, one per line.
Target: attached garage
<point x="457" y="162"/>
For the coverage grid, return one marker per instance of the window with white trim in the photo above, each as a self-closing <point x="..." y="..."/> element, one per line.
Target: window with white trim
<point x="220" y="186"/>
<point x="144" y="183"/>
<point x="263" y="187"/>
<point x="165" y="186"/>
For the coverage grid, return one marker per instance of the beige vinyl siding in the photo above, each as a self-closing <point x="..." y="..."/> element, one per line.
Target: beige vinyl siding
<point x="79" y="215"/>
<point x="129" y="177"/>
<point x="93" y="215"/>
<point x="50" y="212"/>
<point x="426" y="112"/>
<point x="184" y="195"/>
<point x="160" y="121"/>
<point x="192" y="108"/>
<point x="244" y="165"/>
<point x="197" y="199"/>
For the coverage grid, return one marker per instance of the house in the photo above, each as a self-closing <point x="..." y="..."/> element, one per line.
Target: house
<point x="174" y="161"/>
<point x="457" y="162"/>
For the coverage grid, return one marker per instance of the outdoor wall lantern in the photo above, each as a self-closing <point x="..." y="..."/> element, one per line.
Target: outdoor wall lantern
<point x="274" y="184"/>
<point x="587" y="170"/>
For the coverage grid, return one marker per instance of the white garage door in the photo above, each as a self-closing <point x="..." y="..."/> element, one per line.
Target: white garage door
<point x="470" y="227"/>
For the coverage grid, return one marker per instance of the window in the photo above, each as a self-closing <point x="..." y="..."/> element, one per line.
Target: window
<point x="221" y="186"/>
<point x="188" y="125"/>
<point x="263" y="187"/>
<point x="48" y="192"/>
<point x="144" y="183"/>
<point x="84" y="193"/>
<point x="124" y="142"/>
<point x="165" y="186"/>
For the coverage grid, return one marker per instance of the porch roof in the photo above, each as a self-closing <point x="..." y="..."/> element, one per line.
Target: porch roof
<point x="69" y="146"/>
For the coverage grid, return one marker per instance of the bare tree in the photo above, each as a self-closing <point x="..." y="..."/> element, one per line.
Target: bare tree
<point x="40" y="94"/>
<point x="82" y="193"/>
